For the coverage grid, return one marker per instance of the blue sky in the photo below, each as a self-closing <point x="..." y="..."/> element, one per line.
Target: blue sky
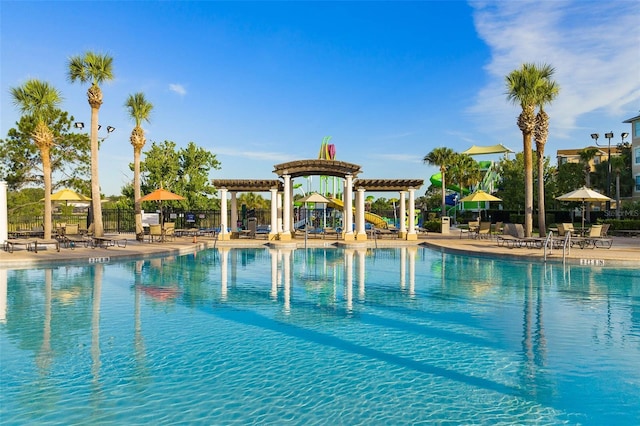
<point x="261" y="83"/>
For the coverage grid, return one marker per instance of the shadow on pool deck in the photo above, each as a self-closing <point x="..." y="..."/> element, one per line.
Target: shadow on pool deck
<point x="625" y="251"/>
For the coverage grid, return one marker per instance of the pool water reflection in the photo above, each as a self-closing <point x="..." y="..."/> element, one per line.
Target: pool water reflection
<point x="267" y="336"/>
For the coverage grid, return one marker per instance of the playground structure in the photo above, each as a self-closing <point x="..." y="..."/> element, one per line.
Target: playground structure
<point x="488" y="182"/>
<point x="342" y="175"/>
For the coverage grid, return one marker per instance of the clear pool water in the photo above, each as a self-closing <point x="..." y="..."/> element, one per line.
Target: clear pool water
<point x="322" y="336"/>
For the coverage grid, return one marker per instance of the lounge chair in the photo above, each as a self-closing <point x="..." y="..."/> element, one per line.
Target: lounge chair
<point x="11" y="243"/>
<point x="388" y="232"/>
<point x="329" y="231"/>
<point x="44" y="242"/>
<point x="107" y="241"/>
<point x="497" y="228"/>
<point x="512" y="236"/>
<point x="72" y="237"/>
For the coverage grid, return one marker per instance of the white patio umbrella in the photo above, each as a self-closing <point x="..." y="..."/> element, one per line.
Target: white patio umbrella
<point x="583" y="195"/>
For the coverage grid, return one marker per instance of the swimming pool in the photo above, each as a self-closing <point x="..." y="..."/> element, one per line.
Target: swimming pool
<point x="318" y="336"/>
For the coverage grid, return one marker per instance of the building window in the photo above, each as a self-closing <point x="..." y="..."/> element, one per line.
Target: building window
<point x="638" y="183"/>
<point x="637" y="155"/>
<point x="636" y="126"/>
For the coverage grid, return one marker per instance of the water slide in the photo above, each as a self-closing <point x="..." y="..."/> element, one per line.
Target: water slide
<point x="374" y="219"/>
<point x="436" y="180"/>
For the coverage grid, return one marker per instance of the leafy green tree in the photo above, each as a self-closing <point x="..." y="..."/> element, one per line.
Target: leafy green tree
<point x="95" y="68"/>
<point x="39" y="100"/>
<point x="464" y="170"/>
<point x="254" y="201"/>
<point x="618" y="164"/>
<point x="139" y="110"/>
<point x="570" y="176"/>
<point x="524" y="89"/>
<point x="25" y="203"/>
<point x="183" y="171"/>
<point x="442" y="157"/>
<point x="20" y="162"/>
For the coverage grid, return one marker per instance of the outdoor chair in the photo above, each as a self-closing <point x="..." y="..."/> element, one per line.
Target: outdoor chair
<point x="594" y="239"/>
<point x="170" y="231"/>
<point x="563" y="228"/>
<point x="483" y="230"/>
<point x="472" y="228"/>
<point x="155" y="233"/>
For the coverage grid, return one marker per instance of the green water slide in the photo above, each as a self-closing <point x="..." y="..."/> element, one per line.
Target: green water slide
<point x="436" y="180"/>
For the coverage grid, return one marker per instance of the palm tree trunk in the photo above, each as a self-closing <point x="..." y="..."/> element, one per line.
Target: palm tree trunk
<point x="46" y="170"/>
<point x="444" y="198"/>
<point x="542" y="228"/>
<point x="528" y="184"/>
<point x="137" y="194"/>
<point x="618" y="195"/>
<point x="95" y="179"/>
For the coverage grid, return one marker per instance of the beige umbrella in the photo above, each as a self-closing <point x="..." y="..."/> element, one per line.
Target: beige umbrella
<point x="314" y="197"/>
<point x="161" y="195"/>
<point x="480" y="196"/>
<point x="583" y="195"/>
<point x="68" y="195"/>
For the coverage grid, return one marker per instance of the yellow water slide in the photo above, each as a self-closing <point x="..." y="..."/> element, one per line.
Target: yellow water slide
<point x="372" y="218"/>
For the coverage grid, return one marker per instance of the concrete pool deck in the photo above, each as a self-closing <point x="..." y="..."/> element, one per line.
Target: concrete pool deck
<point x="625" y="251"/>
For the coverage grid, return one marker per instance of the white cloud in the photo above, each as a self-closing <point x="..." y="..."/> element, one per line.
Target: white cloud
<point x="178" y="88"/>
<point x="592" y="45"/>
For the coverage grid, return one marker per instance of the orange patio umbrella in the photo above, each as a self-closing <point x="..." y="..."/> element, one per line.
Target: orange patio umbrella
<point x="161" y="195"/>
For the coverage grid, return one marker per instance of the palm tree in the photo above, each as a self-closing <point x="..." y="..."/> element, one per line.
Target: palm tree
<point x="548" y="92"/>
<point x="465" y="171"/>
<point x="441" y="157"/>
<point x="95" y="68"/>
<point x="139" y="110"/>
<point x="524" y="88"/>
<point x="39" y="99"/>
<point x="586" y="155"/>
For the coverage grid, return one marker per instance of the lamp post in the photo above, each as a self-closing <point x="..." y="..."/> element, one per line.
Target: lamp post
<point x="110" y="129"/>
<point x="609" y="136"/>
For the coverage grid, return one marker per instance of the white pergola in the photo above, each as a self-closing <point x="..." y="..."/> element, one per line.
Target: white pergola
<point x="282" y="197"/>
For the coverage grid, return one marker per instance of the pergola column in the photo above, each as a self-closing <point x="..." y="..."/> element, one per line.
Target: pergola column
<point x="286" y="210"/>
<point x="348" y="208"/>
<point x="361" y="233"/>
<point x="234" y="210"/>
<point x="412" y="235"/>
<point x="273" y="232"/>
<point x="403" y="213"/>
<point x="279" y="213"/>
<point x="224" y="233"/>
